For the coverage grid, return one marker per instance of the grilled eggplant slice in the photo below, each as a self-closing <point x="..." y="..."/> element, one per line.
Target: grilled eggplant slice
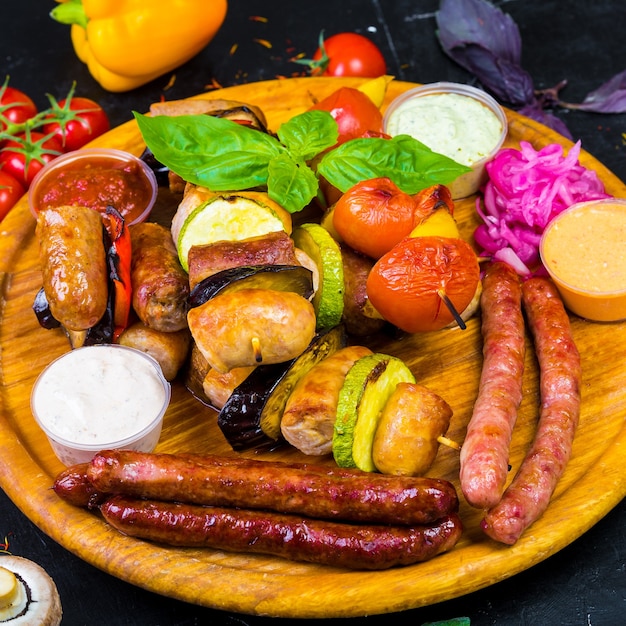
<point x="294" y="278"/>
<point x="251" y="416"/>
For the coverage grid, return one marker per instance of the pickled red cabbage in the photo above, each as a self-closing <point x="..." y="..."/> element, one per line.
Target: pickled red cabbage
<point x="525" y="190"/>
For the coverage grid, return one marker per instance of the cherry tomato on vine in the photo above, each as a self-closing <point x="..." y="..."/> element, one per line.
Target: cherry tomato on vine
<point x="373" y="216"/>
<point x="26" y="154"/>
<point x="10" y="192"/>
<point x="76" y="121"/>
<point x="356" y="115"/>
<point x="15" y="106"/>
<point x="348" y="54"/>
<point x="421" y="280"/>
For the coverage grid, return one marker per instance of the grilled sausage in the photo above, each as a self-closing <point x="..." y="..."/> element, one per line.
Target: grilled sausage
<point x="529" y="494"/>
<point x="73" y="262"/>
<point x="485" y="451"/>
<point x="252" y="326"/>
<point x="169" y="349"/>
<point x="270" y="249"/>
<point x="73" y="486"/>
<point x="160" y="284"/>
<point x="218" y="387"/>
<point x="353" y="546"/>
<point x="405" y="441"/>
<point x="358" y="496"/>
<point x="356" y="268"/>
<point x="309" y="416"/>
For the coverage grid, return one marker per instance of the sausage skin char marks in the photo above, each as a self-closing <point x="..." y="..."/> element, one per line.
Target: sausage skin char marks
<point x="529" y="494"/>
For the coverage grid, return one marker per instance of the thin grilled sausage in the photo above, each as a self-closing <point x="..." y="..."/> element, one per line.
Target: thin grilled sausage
<point x="73" y="486"/>
<point x="353" y="546"/>
<point x="485" y="452"/>
<point x="73" y="263"/>
<point x="358" y="496"/>
<point x="160" y="284"/>
<point x="529" y="494"/>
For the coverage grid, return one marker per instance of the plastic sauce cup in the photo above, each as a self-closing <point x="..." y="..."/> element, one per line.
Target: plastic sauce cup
<point x="459" y="121"/>
<point x="96" y="177"/>
<point x="100" y="397"/>
<point x="584" y="251"/>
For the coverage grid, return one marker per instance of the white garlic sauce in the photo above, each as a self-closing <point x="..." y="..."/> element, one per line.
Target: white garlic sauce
<point x="456" y="126"/>
<point x="99" y="395"/>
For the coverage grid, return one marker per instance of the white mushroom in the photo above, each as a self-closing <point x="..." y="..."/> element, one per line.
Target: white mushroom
<point x="28" y="596"/>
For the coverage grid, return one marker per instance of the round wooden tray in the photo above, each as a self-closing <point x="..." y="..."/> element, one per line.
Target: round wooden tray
<point x="447" y="361"/>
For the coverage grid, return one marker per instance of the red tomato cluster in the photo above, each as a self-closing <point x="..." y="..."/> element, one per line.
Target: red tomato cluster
<point x="417" y="283"/>
<point x="30" y="138"/>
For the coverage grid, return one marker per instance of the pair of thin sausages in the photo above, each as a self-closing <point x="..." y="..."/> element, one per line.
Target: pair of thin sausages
<point x="305" y="512"/>
<point x="485" y="451"/>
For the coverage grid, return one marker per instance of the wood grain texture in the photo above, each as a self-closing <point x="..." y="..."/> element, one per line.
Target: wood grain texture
<point x="448" y="362"/>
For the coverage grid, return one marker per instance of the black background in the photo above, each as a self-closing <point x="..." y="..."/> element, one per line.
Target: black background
<point x="578" y="41"/>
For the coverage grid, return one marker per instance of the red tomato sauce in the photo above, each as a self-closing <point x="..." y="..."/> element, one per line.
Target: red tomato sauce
<point x="99" y="183"/>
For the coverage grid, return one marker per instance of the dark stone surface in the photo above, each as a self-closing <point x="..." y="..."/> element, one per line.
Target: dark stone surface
<point x="574" y="40"/>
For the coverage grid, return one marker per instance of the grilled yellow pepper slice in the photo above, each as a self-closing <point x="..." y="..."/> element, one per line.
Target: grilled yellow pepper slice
<point x="128" y="43"/>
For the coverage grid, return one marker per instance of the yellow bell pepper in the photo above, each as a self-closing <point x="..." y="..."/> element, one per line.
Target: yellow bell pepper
<point x="127" y="43"/>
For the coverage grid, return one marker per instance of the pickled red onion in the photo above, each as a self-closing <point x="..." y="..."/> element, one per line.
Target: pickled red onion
<point x="525" y="190"/>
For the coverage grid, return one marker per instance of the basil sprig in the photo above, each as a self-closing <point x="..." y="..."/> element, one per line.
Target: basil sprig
<point x="225" y="156"/>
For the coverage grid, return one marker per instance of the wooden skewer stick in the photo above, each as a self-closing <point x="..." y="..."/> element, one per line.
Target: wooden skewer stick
<point x="256" y="349"/>
<point x="448" y="442"/>
<point x="459" y="320"/>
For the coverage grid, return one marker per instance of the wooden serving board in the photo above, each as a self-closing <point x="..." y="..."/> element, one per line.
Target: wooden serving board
<point x="447" y="361"/>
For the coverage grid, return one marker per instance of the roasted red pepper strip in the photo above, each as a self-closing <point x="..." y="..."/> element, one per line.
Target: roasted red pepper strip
<point x="119" y="268"/>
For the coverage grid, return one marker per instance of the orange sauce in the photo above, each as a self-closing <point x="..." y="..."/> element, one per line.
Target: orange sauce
<point x="586" y="248"/>
<point x="584" y="251"/>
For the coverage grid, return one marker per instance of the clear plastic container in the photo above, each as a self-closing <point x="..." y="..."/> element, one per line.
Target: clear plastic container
<point x="100" y="397"/>
<point x="49" y="182"/>
<point x="456" y="120"/>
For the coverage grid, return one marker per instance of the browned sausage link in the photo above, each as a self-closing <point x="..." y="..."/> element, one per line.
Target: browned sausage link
<point x="73" y="263"/>
<point x="361" y="497"/>
<point x="270" y="249"/>
<point x="353" y="546"/>
<point x="160" y="284"/>
<point x="485" y="451"/>
<point x="529" y="494"/>
<point x="73" y="486"/>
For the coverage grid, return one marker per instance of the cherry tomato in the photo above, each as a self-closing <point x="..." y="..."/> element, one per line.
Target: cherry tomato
<point x="25" y="155"/>
<point x="431" y="198"/>
<point x="10" y="192"/>
<point x="76" y="122"/>
<point x="349" y="54"/>
<point x="410" y="284"/>
<point x="373" y="216"/>
<point x="15" y="106"/>
<point x="356" y="115"/>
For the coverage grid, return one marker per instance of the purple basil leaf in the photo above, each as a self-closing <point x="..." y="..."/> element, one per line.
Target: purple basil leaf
<point x="487" y="43"/>
<point x="478" y="22"/>
<point x="608" y="98"/>
<point x="535" y="112"/>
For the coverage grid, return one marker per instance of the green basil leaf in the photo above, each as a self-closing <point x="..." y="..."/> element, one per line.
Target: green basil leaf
<point x="410" y="164"/>
<point x="293" y="185"/>
<point x="308" y="134"/>
<point x="210" y="151"/>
